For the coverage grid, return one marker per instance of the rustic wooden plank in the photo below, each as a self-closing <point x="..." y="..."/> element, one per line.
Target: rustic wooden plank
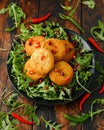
<point x="55" y="7"/>
<point x="39" y="8"/>
<point x="89" y="19"/>
<point x="30" y="8"/>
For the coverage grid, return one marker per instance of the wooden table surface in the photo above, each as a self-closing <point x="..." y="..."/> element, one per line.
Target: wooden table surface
<point x="87" y="18"/>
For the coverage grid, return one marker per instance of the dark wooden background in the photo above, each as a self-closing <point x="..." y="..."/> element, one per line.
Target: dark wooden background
<point x="87" y="18"/>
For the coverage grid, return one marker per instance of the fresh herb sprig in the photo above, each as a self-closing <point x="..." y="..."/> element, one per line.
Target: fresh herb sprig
<point x="15" y="13"/>
<point x="50" y="125"/>
<point x="82" y="64"/>
<point x="48" y="30"/>
<point x="96" y="101"/>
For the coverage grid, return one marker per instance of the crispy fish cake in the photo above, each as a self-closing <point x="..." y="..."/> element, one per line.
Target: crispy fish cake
<point x="62" y="73"/>
<point x="30" y="72"/>
<point x="57" y="48"/>
<point x="33" y="44"/>
<point x="43" y="60"/>
<point x="70" y="50"/>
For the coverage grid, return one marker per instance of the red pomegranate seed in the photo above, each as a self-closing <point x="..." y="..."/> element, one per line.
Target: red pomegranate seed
<point x="67" y="78"/>
<point x="55" y="46"/>
<point x="62" y="73"/>
<point x="31" y="84"/>
<point x="55" y="70"/>
<point x="50" y="43"/>
<point x="31" y="72"/>
<point x="74" y="57"/>
<point x="75" y="69"/>
<point x="43" y="57"/>
<point x="53" y="51"/>
<point x="24" y="51"/>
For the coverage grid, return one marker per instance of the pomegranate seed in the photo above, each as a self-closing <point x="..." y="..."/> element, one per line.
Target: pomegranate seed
<point x="30" y="43"/>
<point x="67" y="78"/>
<point x="46" y="87"/>
<point x="55" y="46"/>
<point x="62" y="73"/>
<point x="31" y="72"/>
<point x="24" y="51"/>
<point x="78" y="66"/>
<point x="74" y="57"/>
<point x="44" y="34"/>
<point x="58" y="32"/>
<point x="31" y="84"/>
<point x="55" y="70"/>
<point x="75" y="69"/>
<point x="50" y="43"/>
<point x="43" y="57"/>
<point x="40" y="80"/>
<point x="53" y="51"/>
<point x="70" y="36"/>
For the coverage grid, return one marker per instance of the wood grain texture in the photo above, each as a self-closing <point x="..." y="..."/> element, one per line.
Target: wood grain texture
<point x="87" y="18"/>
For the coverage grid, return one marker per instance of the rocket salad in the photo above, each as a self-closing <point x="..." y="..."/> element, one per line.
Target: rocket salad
<point x="45" y="88"/>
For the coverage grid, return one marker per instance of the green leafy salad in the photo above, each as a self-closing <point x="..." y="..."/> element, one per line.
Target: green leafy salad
<point x="45" y="88"/>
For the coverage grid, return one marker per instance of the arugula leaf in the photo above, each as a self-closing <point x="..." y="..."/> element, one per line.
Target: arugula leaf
<point x="51" y="125"/>
<point x="90" y="3"/>
<point x="15" y="13"/>
<point x="49" y="30"/>
<point x="95" y="101"/>
<point x="8" y="124"/>
<point x="31" y="111"/>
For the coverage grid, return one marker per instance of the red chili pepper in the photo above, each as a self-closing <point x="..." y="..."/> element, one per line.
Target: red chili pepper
<point x="84" y="98"/>
<point x="102" y="89"/>
<point x="21" y="119"/>
<point x="38" y="20"/>
<point x="94" y="43"/>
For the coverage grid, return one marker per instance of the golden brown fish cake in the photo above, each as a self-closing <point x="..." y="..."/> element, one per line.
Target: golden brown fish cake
<point x="30" y="72"/>
<point x="57" y="48"/>
<point x="62" y="73"/>
<point x="70" y="50"/>
<point x="43" y="60"/>
<point x="33" y="44"/>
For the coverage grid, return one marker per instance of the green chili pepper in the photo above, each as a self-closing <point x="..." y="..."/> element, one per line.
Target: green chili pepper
<point x="84" y="117"/>
<point x="78" y="119"/>
<point x="66" y="7"/>
<point x="71" y="20"/>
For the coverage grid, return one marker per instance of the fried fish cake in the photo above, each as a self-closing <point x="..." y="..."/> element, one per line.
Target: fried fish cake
<point x="30" y="72"/>
<point x="70" y="50"/>
<point x="43" y="60"/>
<point x="62" y="73"/>
<point x="57" y="48"/>
<point x="33" y="44"/>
